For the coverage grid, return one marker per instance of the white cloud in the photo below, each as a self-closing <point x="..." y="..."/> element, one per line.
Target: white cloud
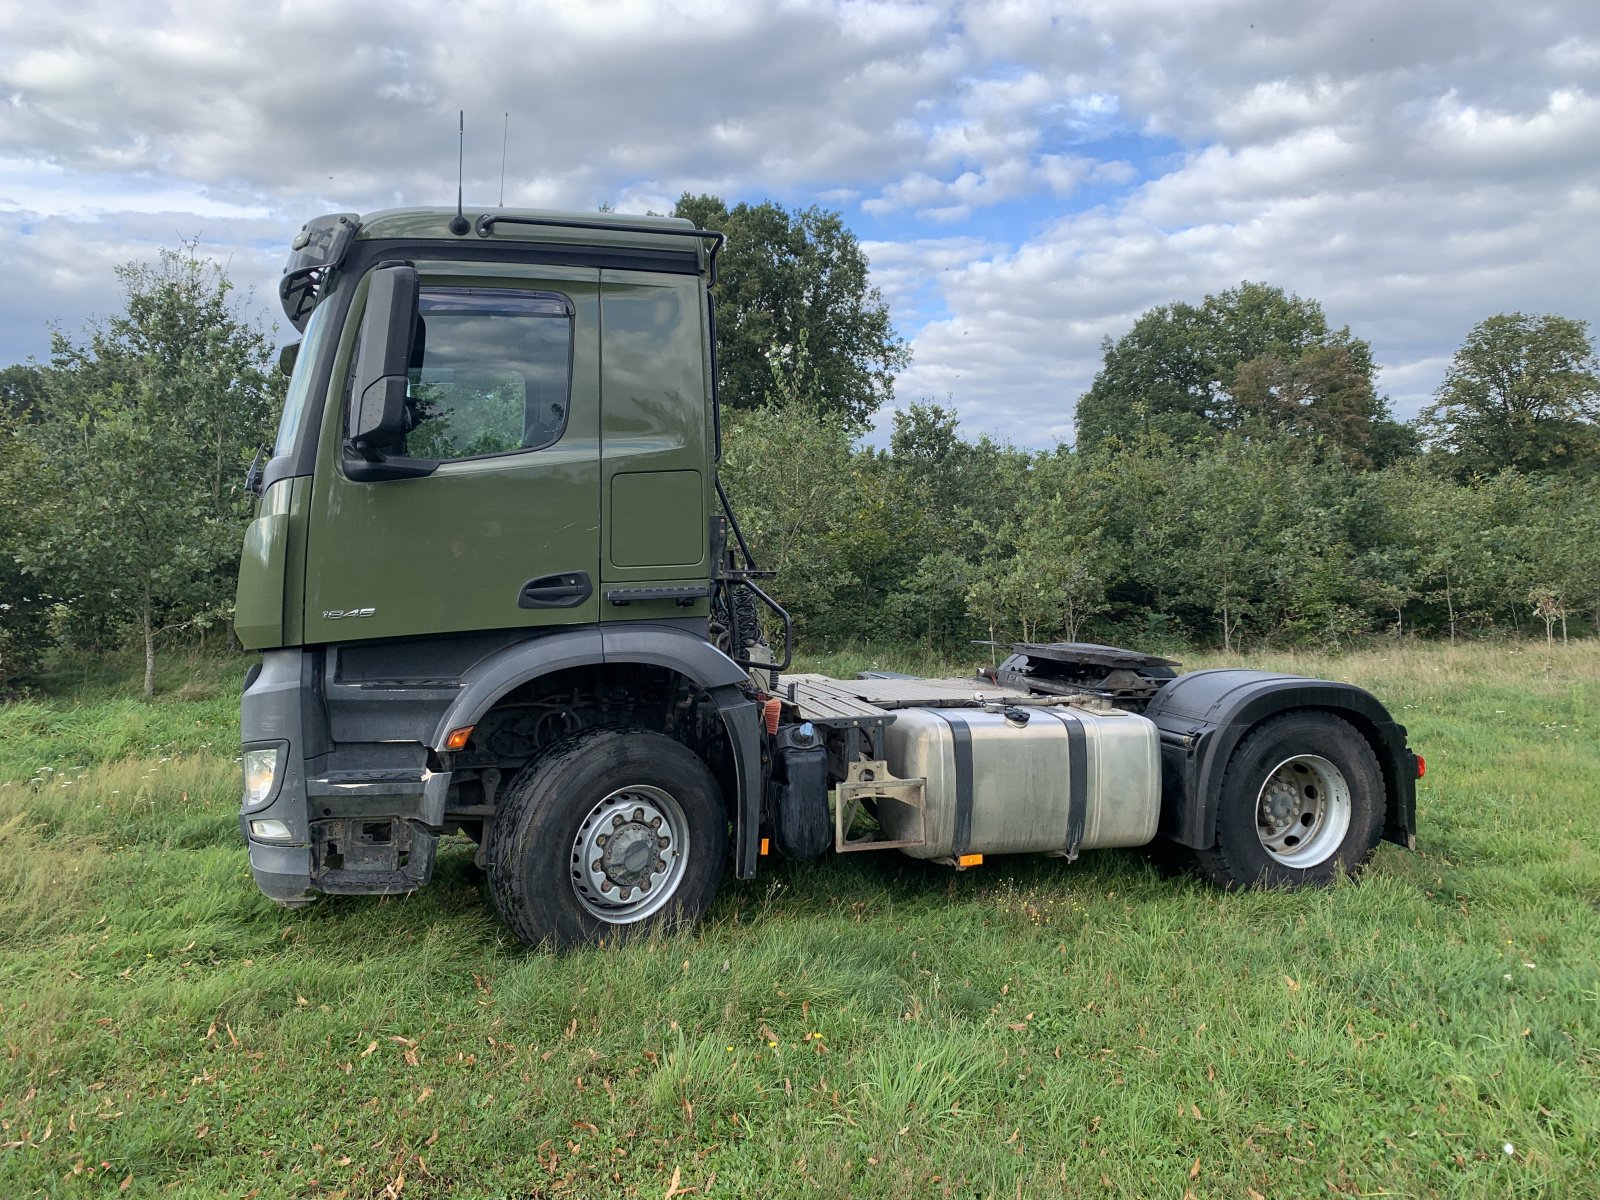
<point x="1032" y="173"/>
<point x="37" y="188"/>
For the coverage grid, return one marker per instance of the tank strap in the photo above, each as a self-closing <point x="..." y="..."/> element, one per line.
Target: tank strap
<point x="961" y="750"/>
<point x="1077" y="779"/>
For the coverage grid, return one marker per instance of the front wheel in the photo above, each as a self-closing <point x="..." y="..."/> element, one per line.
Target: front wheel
<point x="1302" y="804"/>
<point x="613" y="831"/>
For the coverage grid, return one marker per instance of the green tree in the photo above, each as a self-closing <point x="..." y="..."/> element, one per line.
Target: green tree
<point x="788" y="470"/>
<point x="1253" y="360"/>
<point x="1428" y="549"/>
<point x="925" y="443"/>
<point x="141" y="438"/>
<point x="1315" y="591"/>
<point x="930" y="603"/>
<point x="24" y="599"/>
<point x="1227" y="562"/>
<point x="21" y="389"/>
<point x="1323" y="395"/>
<point x="1572" y="544"/>
<point x="1502" y="518"/>
<point x="1156" y="380"/>
<point x="950" y="498"/>
<point x="1144" y="527"/>
<point x="1045" y="570"/>
<point x="1061" y="545"/>
<point x="1522" y="392"/>
<point x="788" y="279"/>
<point x="1393" y="510"/>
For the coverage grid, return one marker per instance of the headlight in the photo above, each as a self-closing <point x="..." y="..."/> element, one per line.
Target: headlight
<point x="260" y="774"/>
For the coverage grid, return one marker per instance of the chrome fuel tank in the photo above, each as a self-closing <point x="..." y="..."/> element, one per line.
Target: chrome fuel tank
<point x="1058" y="778"/>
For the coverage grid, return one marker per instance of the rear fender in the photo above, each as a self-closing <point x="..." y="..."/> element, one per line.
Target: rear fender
<point x="1203" y="716"/>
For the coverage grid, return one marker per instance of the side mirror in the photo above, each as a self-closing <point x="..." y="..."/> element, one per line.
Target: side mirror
<point x="287" y="357"/>
<point x="383" y="355"/>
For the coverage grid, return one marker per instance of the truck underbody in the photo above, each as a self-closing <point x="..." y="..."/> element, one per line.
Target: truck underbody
<point x="1063" y="748"/>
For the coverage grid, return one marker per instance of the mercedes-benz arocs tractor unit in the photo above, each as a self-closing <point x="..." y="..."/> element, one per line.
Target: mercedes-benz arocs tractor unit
<point x="497" y="590"/>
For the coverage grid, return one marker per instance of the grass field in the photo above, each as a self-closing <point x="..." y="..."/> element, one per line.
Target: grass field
<point x="867" y="1026"/>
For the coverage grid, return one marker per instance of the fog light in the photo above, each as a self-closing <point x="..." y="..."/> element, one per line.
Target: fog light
<point x="269" y="831"/>
<point x="260" y="773"/>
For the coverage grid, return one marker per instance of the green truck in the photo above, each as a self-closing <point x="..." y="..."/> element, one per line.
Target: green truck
<point x="498" y="591"/>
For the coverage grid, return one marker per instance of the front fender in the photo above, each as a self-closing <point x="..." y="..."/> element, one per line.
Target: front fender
<point x="1203" y="716"/>
<point x="657" y="645"/>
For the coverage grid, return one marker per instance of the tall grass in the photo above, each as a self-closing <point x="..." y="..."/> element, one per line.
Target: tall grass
<point x="861" y="1025"/>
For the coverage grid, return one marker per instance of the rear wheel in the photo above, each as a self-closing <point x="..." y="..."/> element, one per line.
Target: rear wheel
<point x="1302" y="804"/>
<point x="613" y="831"/>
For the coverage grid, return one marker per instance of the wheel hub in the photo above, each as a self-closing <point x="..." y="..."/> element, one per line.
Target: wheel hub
<point x="628" y="855"/>
<point x="1280" y="805"/>
<point x="1303" y="810"/>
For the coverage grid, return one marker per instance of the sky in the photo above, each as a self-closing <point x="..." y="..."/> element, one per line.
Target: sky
<point x="1026" y="177"/>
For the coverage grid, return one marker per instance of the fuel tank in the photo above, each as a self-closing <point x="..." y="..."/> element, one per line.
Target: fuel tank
<point x="1052" y="779"/>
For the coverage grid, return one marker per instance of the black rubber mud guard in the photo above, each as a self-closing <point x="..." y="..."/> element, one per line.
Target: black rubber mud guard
<point x="741" y="717"/>
<point x="1204" y="715"/>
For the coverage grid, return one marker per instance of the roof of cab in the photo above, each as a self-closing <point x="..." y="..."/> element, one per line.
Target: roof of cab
<point x="531" y="224"/>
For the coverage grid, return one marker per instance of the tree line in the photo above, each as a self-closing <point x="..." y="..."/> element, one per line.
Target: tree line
<point x="1151" y="542"/>
<point x="1235" y="477"/>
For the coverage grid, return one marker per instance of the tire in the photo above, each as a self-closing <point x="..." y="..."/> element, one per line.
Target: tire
<point x="612" y="832"/>
<point x="1302" y="804"/>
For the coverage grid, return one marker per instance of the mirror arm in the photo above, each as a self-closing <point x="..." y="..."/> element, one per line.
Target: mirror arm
<point x="252" y="477"/>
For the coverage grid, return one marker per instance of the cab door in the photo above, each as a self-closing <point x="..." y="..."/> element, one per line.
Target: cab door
<point x="503" y="394"/>
<point x="656" y="447"/>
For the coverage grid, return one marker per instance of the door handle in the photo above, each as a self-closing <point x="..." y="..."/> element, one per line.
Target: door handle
<point x="566" y="590"/>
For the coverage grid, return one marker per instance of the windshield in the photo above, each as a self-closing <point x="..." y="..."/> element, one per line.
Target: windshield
<point x="305" y="366"/>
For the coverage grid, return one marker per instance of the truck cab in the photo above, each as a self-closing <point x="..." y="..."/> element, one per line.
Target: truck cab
<point x="497" y="590"/>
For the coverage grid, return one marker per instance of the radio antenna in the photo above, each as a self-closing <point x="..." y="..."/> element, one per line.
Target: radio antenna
<point x="458" y="223"/>
<point x="504" y="134"/>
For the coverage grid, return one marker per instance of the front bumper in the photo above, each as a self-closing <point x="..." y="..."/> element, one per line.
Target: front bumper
<point x="371" y="832"/>
<point x="282" y="872"/>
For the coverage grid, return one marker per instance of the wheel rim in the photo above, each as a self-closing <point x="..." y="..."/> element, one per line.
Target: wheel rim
<point x="629" y="855"/>
<point x="1303" y="811"/>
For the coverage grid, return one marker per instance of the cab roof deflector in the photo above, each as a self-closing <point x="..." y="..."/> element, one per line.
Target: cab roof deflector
<point x="486" y="223"/>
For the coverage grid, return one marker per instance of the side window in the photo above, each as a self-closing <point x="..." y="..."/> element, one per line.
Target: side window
<point x="490" y="372"/>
